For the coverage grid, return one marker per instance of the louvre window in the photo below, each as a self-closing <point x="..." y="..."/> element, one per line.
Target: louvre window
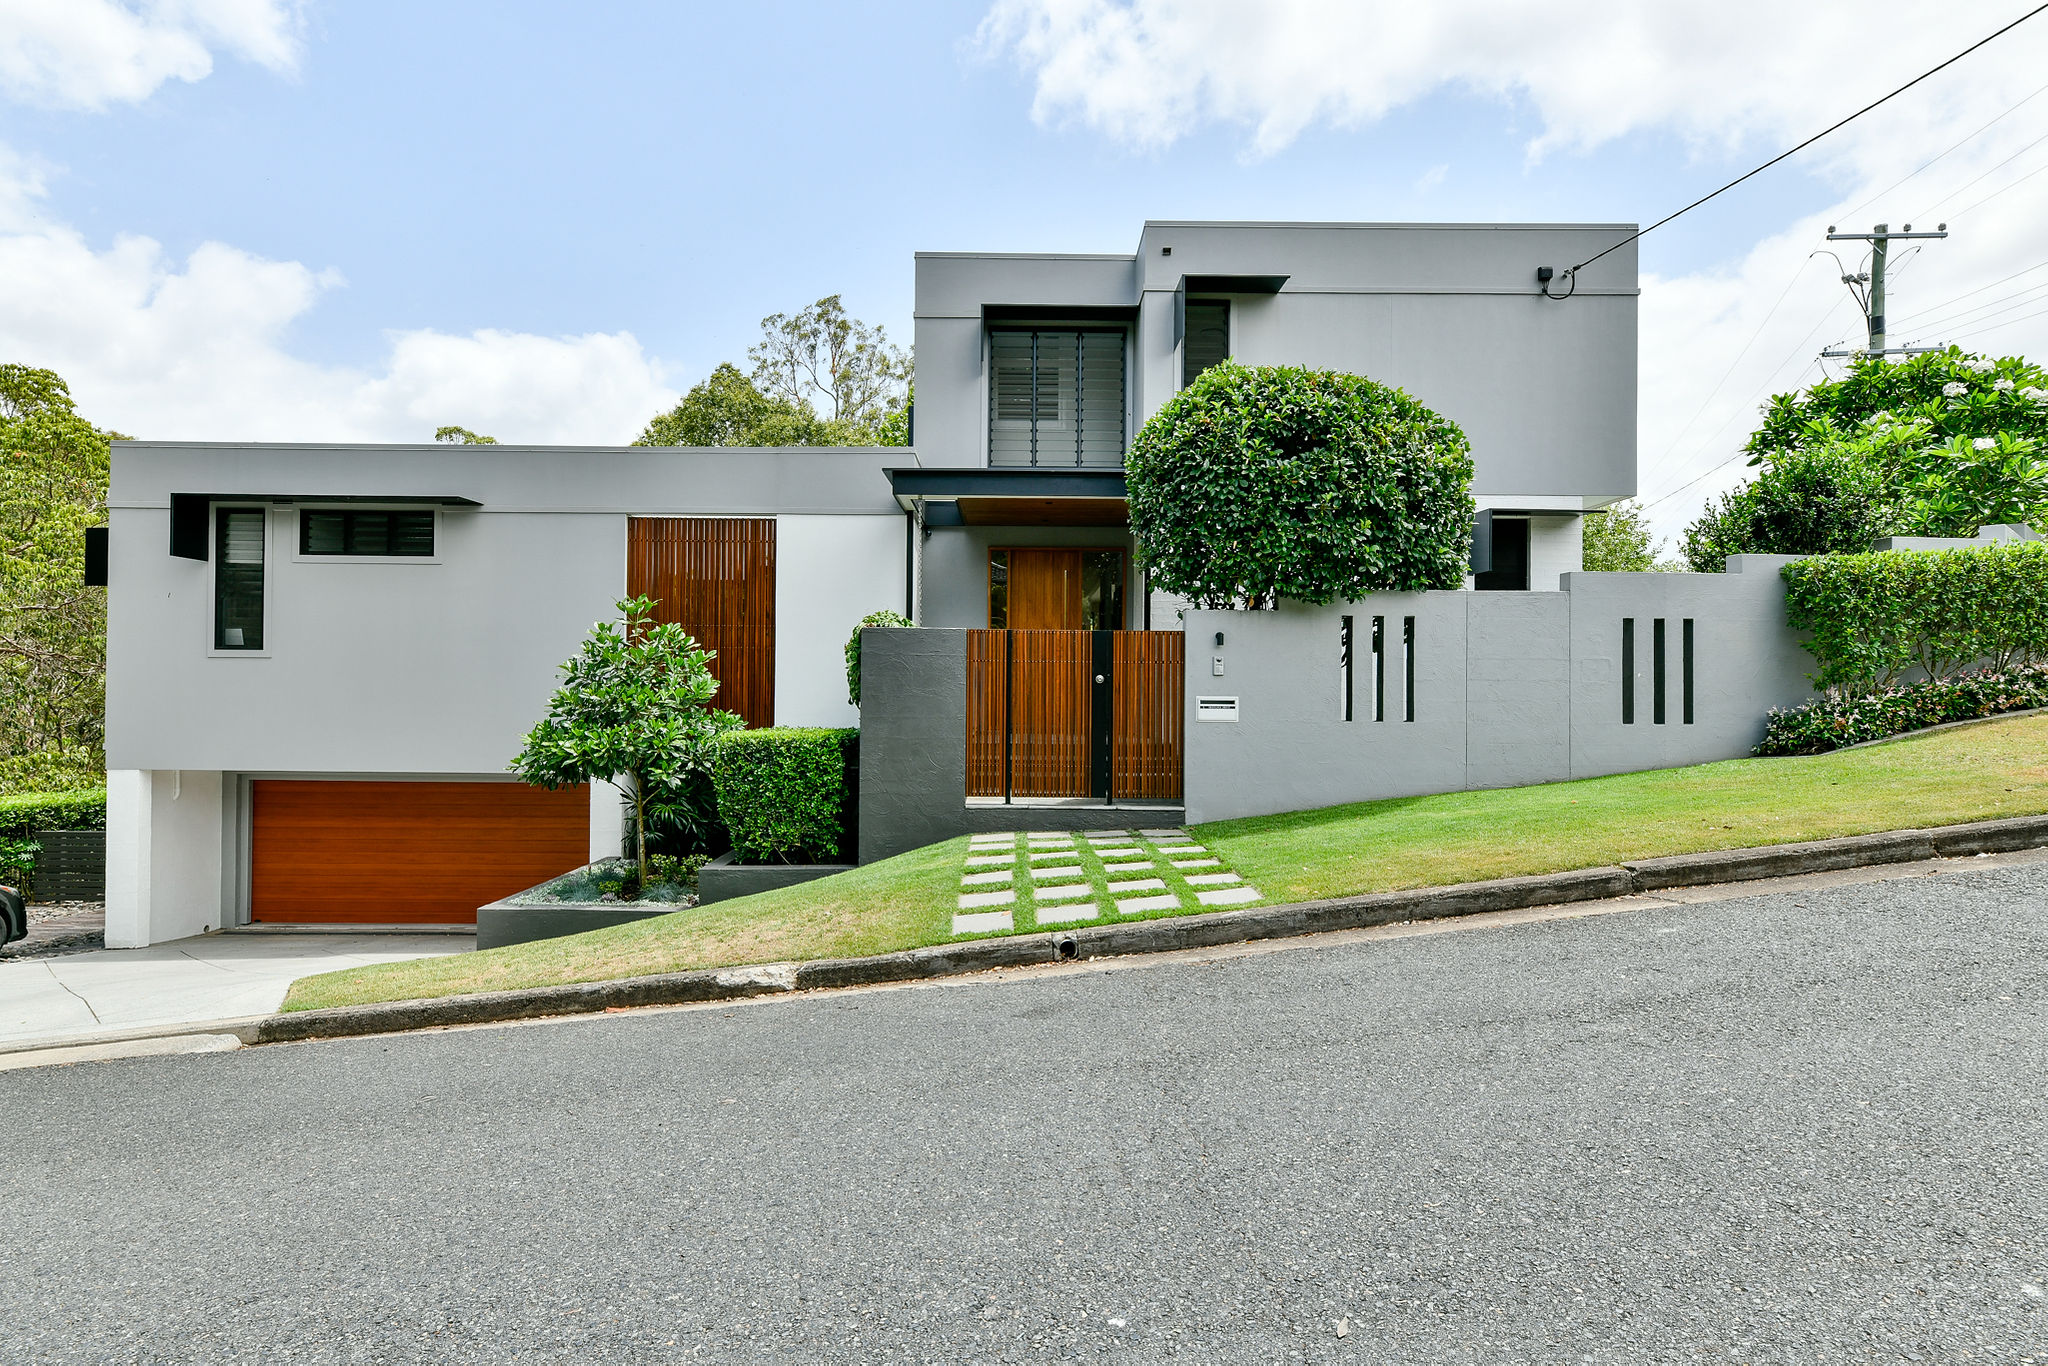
<point x="1056" y="397"/>
<point x="1207" y="340"/>
<point x="238" y="579"/>
<point x="366" y="533"/>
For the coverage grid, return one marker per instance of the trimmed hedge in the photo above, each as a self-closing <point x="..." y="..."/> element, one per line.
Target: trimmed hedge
<point x="1833" y="722"/>
<point x="83" y="809"/>
<point x="885" y="617"/>
<point x="786" y="793"/>
<point x="1876" y="617"/>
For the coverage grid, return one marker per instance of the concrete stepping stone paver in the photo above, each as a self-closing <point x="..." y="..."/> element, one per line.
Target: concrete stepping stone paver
<point x="985" y="860"/>
<point x="1126" y="867"/>
<point x="1228" y="896"/>
<point x="1121" y="851"/>
<point x="1068" y="913"/>
<point x="1138" y="904"/>
<point x="981" y="879"/>
<point x="1163" y="832"/>
<point x="1037" y="854"/>
<point x="1072" y="870"/>
<point x="983" y="923"/>
<point x="1142" y="884"/>
<point x="1078" y="889"/>
<point x="1197" y="862"/>
<point x="1211" y="879"/>
<point x="970" y="900"/>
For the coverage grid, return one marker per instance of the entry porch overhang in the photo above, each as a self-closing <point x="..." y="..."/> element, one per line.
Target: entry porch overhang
<point x="1012" y="497"/>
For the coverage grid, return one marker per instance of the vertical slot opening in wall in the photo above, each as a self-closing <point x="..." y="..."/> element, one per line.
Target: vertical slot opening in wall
<point x="1379" y="668"/>
<point x="1657" y="671"/>
<point x="1628" y="671"/>
<point x="1344" y="652"/>
<point x="1408" y="668"/>
<point x="1685" y="648"/>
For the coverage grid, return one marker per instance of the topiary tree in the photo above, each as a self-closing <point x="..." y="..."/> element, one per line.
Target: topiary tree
<point x="885" y="617"/>
<point x="1261" y="482"/>
<point x="634" y="704"/>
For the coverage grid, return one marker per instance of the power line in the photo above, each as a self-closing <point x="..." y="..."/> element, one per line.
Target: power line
<point x="1983" y="173"/>
<point x="2003" y="304"/>
<point x="1571" y="272"/>
<point x="1724" y="464"/>
<point x="1978" y="332"/>
<point x="1716" y="390"/>
<point x="1995" y="193"/>
<point x="1952" y="147"/>
<point x="1936" y="308"/>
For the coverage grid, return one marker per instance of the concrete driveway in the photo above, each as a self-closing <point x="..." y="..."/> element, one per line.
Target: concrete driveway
<point x="111" y="992"/>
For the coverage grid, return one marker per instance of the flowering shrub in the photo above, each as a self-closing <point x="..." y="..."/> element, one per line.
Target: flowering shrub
<point x="1838" y="720"/>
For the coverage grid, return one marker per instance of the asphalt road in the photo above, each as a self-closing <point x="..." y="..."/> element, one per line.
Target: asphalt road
<point x="1788" y="1129"/>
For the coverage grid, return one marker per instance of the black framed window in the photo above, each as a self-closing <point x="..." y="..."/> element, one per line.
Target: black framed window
<point x="366" y="533"/>
<point x="1056" y="397"/>
<point x="238" y="578"/>
<point x="1207" y="341"/>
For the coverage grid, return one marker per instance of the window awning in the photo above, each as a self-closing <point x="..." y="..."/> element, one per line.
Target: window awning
<point x="1013" y="497"/>
<point x="1217" y="284"/>
<point x="190" y="512"/>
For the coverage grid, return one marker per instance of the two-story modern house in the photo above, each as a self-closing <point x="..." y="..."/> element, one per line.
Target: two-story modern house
<point x="321" y="658"/>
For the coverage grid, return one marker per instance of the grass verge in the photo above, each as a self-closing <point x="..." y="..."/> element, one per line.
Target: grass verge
<point x="1978" y="773"/>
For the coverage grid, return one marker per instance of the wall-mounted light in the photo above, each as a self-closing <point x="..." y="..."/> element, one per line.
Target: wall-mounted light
<point x="1219" y="637"/>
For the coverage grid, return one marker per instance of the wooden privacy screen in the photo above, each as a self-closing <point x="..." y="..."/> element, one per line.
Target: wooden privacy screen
<point x="412" y="853"/>
<point x="1146" y="735"/>
<point x="1031" y="714"/>
<point x="715" y="578"/>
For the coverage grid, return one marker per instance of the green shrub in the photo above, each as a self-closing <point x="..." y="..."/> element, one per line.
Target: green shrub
<point x="1841" y="719"/>
<point x="1257" y="482"/>
<point x="82" y="809"/>
<point x="1803" y="502"/>
<point x="18" y="860"/>
<point x="786" y="793"/>
<point x="1876" y="617"/>
<point x="50" y="771"/>
<point x="881" y="618"/>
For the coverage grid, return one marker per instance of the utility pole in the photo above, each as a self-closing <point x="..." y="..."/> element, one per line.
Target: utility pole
<point x="1872" y="299"/>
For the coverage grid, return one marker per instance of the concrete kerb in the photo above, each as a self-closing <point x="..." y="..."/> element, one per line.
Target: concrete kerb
<point x="1210" y="930"/>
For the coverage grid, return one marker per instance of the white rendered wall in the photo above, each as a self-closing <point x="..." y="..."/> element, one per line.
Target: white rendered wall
<point x="164" y="840"/>
<point x="607" y="821"/>
<point x="1556" y="548"/>
<point x="829" y="573"/>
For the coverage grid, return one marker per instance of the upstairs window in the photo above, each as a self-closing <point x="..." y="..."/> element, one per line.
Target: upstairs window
<point x="238" y="578"/>
<point x="366" y="533"/>
<point x="1056" y="397"/>
<point x="1206" y="341"/>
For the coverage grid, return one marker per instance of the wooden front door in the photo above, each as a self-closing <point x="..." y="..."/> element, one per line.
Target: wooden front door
<point x="1056" y="588"/>
<point x="714" y="577"/>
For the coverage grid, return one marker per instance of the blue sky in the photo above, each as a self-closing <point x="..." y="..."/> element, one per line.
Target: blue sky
<point x="661" y="176"/>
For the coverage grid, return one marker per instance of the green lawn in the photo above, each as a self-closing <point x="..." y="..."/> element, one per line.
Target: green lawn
<point x="1975" y="773"/>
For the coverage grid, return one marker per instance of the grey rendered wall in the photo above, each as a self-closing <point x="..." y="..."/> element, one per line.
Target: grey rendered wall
<point x="1545" y="389"/>
<point x="1511" y="688"/>
<point x="422" y="668"/>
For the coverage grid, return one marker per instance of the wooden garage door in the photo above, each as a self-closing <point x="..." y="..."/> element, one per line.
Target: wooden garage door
<point x="412" y="853"/>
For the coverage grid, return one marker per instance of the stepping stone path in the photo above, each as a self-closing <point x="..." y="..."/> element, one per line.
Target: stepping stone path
<point x="1077" y="875"/>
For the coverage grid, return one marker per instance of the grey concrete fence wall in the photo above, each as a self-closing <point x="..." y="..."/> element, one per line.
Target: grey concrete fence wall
<point x="1615" y="673"/>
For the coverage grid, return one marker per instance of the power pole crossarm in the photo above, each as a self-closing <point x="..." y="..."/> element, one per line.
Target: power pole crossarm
<point x="1880" y="238"/>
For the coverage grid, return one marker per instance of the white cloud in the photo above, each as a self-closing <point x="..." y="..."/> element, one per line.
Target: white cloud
<point x="199" y="349"/>
<point x="88" y="54"/>
<point x="1728" y="75"/>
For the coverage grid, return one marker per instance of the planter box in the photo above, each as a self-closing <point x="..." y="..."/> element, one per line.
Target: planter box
<point x="722" y="879"/>
<point x="524" y="916"/>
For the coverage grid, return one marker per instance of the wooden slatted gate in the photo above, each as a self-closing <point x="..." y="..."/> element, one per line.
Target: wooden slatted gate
<point x="714" y="577"/>
<point x="1075" y="713"/>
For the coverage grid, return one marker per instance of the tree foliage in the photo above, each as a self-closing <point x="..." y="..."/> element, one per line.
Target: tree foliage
<point x="53" y="629"/>
<point x="1261" y="482"/>
<point x="463" y="436"/>
<point x="1935" y="446"/>
<point x="820" y="378"/>
<point x="1617" y="540"/>
<point x="635" y="703"/>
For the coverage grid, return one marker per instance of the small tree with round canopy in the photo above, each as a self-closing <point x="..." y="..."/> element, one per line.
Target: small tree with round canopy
<point x="1261" y="482"/>
<point x="635" y="703"/>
